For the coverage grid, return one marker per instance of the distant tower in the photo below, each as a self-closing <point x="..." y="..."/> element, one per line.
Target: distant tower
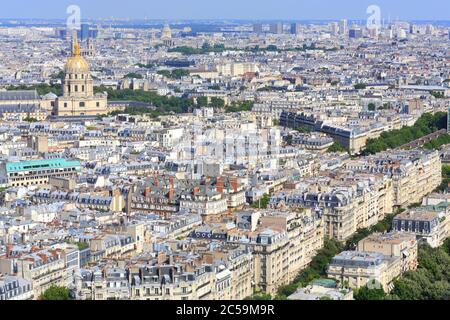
<point x="334" y="28"/>
<point x="258" y="28"/>
<point x="166" y="36"/>
<point x="343" y="27"/>
<point x="166" y="32"/>
<point x="90" y="49"/>
<point x="295" y="28"/>
<point x="276" y="28"/>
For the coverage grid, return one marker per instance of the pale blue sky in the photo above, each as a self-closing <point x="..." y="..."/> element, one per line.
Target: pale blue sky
<point x="228" y="9"/>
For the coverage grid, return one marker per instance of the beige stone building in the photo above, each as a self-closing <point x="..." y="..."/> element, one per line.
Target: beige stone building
<point x="305" y="233"/>
<point x="43" y="268"/>
<point x="357" y="269"/>
<point x="78" y="97"/>
<point x="414" y="173"/>
<point x="394" y="244"/>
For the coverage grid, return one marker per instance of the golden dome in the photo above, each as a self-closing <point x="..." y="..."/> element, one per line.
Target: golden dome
<point x="76" y="63"/>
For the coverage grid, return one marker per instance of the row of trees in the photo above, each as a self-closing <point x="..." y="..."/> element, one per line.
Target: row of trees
<point x="431" y="280"/>
<point x="174" y="74"/>
<point x="133" y="75"/>
<point x="206" y="48"/>
<point x="438" y="142"/>
<point x="318" y="266"/>
<point x="218" y="48"/>
<point x="426" y="124"/>
<point x="445" y="178"/>
<point x="214" y="102"/>
<point x="316" y="270"/>
<point x="42" y="88"/>
<point x="162" y="104"/>
<point x="240" y="106"/>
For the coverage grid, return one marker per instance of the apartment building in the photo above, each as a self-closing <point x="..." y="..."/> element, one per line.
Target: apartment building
<point x="306" y="236"/>
<point x="429" y="224"/>
<point x="271" y="257"/>
<point x="41" y="267"/>
<point x="357" y="269"/>
<point x="173" y="282"/>
<point x="393" y="244"/>
<point x="37" y="172"/>
<point x="346" y="206"/>
<point x="414" y="173"/>
<point x="106" y="284"/>
<point x="15" y="288"/>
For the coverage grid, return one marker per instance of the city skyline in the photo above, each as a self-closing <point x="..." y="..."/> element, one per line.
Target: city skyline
<point x="250" y="9"/>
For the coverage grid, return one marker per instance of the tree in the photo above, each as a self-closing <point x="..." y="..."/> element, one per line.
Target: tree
<point x="55" y="293"/>
<point x="240" y="106"/>
<point x="30" y="119"/>
<point x="287" y="290"/>
<point x="371" y="107"/>
<point x="426" y="124"/>
<point x="82" y="245"/>
<point x="217" y="102"/>
<point x="336" y="147"/>
<point x="372" y="291"/>
<point x="58" y="76"/>
<point x="303" y="130"/>
<point x="360" y="86"/>
<point x="262" y="203"/>
<point x="202" y="101"/>
<point x="133" y="75"/>
<point x="262" y="296"/>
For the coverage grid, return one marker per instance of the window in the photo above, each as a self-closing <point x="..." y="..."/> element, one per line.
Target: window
<point x="76" y="88"/>
<point x="65" y="104"/>
<point x="98" y="104"/>
<point x="82" y="104"/>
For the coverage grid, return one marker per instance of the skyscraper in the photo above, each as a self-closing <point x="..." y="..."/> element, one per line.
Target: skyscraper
<point x="334" y="28"/>
<point x="276" y="28"/>
<point x="84" y="34"/>
<point x="355" y="33"/>
<point x="343" y="27"/>
<point x="295" y="28"/>
<point x="258" y="28"/>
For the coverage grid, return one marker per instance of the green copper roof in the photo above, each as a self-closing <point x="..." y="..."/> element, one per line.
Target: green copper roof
<point x="40" y="164"/>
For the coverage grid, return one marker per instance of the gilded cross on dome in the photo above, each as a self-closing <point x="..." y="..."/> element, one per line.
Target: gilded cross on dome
<point x="76" y="48"/>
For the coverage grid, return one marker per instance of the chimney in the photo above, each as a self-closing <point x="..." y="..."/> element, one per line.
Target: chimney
<point x="234" y="184"/>
<point x="43" y="257"/>
<point x="171" y="188"/>
<point x="196" y="191"/>
<point x="220" y="185"/>
<point x="8" y="250"/>
<point x="161" y="258"/>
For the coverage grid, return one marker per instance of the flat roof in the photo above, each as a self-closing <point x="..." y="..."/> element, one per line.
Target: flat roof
<point x="40" y="164"/>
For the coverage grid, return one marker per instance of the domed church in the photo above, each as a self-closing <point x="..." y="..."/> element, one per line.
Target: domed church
<point x="78" y="89"/>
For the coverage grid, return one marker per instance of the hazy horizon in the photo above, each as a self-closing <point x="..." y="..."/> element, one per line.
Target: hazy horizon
<point x="228" y="10"/>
